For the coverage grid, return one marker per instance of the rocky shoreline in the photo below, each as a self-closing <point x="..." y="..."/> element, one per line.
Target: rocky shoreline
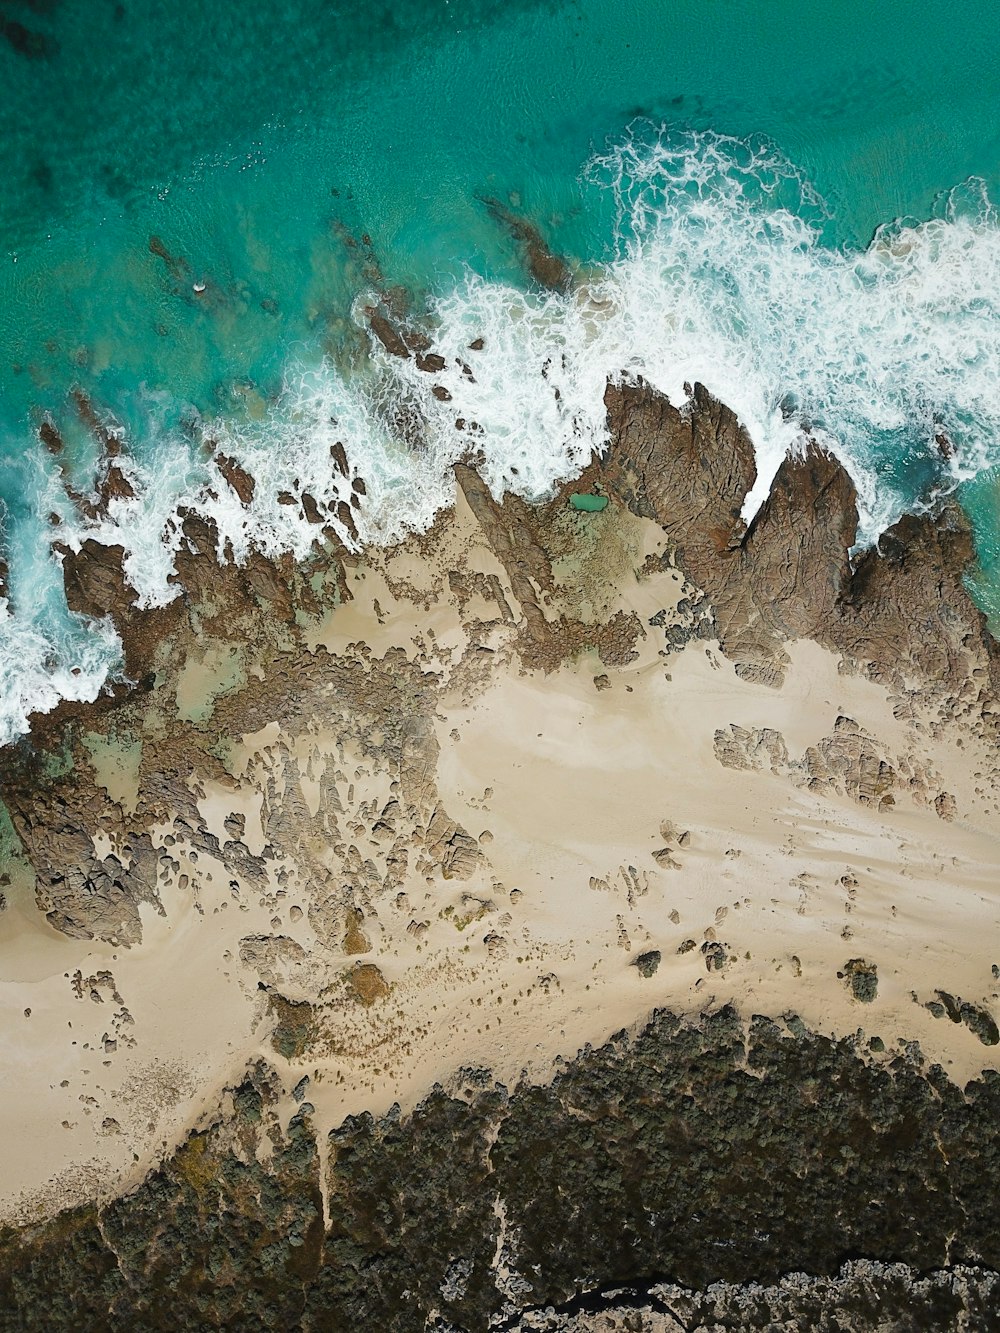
<point x="286" y="754"/>
<point x="900" y="616"/>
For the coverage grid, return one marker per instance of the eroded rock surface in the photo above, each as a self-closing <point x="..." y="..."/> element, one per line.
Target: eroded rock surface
<point x="288" y="751"/>
<point x="902" y="613"/>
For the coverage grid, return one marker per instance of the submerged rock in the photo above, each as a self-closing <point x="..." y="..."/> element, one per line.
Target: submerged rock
<point x="546" y="267"/>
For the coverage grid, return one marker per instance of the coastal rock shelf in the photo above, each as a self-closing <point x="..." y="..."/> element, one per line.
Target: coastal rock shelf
<point x="565" y="899"/>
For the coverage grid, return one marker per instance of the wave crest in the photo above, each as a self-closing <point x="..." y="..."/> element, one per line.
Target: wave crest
<point x="720" y="270"/>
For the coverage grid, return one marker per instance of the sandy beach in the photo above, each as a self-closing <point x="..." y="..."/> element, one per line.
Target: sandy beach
<point x="547" y="857"/>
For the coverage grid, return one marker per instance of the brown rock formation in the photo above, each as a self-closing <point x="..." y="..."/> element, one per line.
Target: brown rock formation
<point x="239" y="479"/>
<point x="509" y="533"/>
<point x="526" y="539"/>
<point x="902" y="614"/>
<point x="908" y="613"/>
<point x="96" y="585"/>
<point x="80" y="893"/>
<point x="94" y="578"/>
<point x="793" y="563"/>
<point x="387" y="334"/>
<point x="547" y="268"/>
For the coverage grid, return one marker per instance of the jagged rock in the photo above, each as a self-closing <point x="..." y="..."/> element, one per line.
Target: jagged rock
<point x="510" y="536"/>
<point x="114" y="486"/>
<point x="946" y="806"/>
<point x="388" y="335"/>
<point x="81" y="895"/>
<point x="689" y="470"/>
<point x="849" y="761"/>
<point x="272" y="957"/>
<point x="665" y="859"/>
<point x="355" y="940"/>
<point x="793" y="565"/>
<point x="908" y="612"/>
<point x="95" y="580"/>
<point x="902" y="612"/>
<point x="238" y="478"/>
<point x="522" y="537"/>
<point x="757" y="748"/>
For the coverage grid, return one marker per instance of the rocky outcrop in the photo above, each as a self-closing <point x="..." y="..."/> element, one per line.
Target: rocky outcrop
<point x="793" y="564"/>
<point x="528" y="540"/>
<point x="697" y="1155"/>
<point x="238" y="478"/>
<point x="94" y="579"/>
<point x="81" y="893"/>
<point x="509" y="530"/>
<point x="907" y="612"/>
<point x="96" y="585"/>
<point x="689" y="470"/>
<point x="847" y="762"/>
<point x="902" y="613"/>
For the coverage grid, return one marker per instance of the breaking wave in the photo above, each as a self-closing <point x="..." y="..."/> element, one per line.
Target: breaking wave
<point x="720" y="270"/>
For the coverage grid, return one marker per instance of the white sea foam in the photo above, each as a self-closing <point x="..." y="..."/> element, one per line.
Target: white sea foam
<point x="35" y="670"/>
<point x="721" y="273"/>
<point x="46" y="654"/>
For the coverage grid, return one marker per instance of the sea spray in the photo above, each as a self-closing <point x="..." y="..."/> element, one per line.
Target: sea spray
<point x="720" y="271"/>
<point x="884" y="353"/>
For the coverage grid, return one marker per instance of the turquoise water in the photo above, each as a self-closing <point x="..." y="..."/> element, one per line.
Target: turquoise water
<point x="259" y="143"/>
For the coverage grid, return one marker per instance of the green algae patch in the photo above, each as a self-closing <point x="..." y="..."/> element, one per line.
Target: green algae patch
<point x="201" y="681"/>
<point x="588" y="504"/>
<point x="295" y="1026"/>
<point x="861" y="978"/>
<point x="117" y="763"/>
<point x="367" y="983"/>
<point x="10" y="843"/>
<point x="198" y="1166"/>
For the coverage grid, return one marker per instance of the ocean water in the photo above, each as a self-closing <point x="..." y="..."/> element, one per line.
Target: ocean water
<point x="788" y="201"/>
